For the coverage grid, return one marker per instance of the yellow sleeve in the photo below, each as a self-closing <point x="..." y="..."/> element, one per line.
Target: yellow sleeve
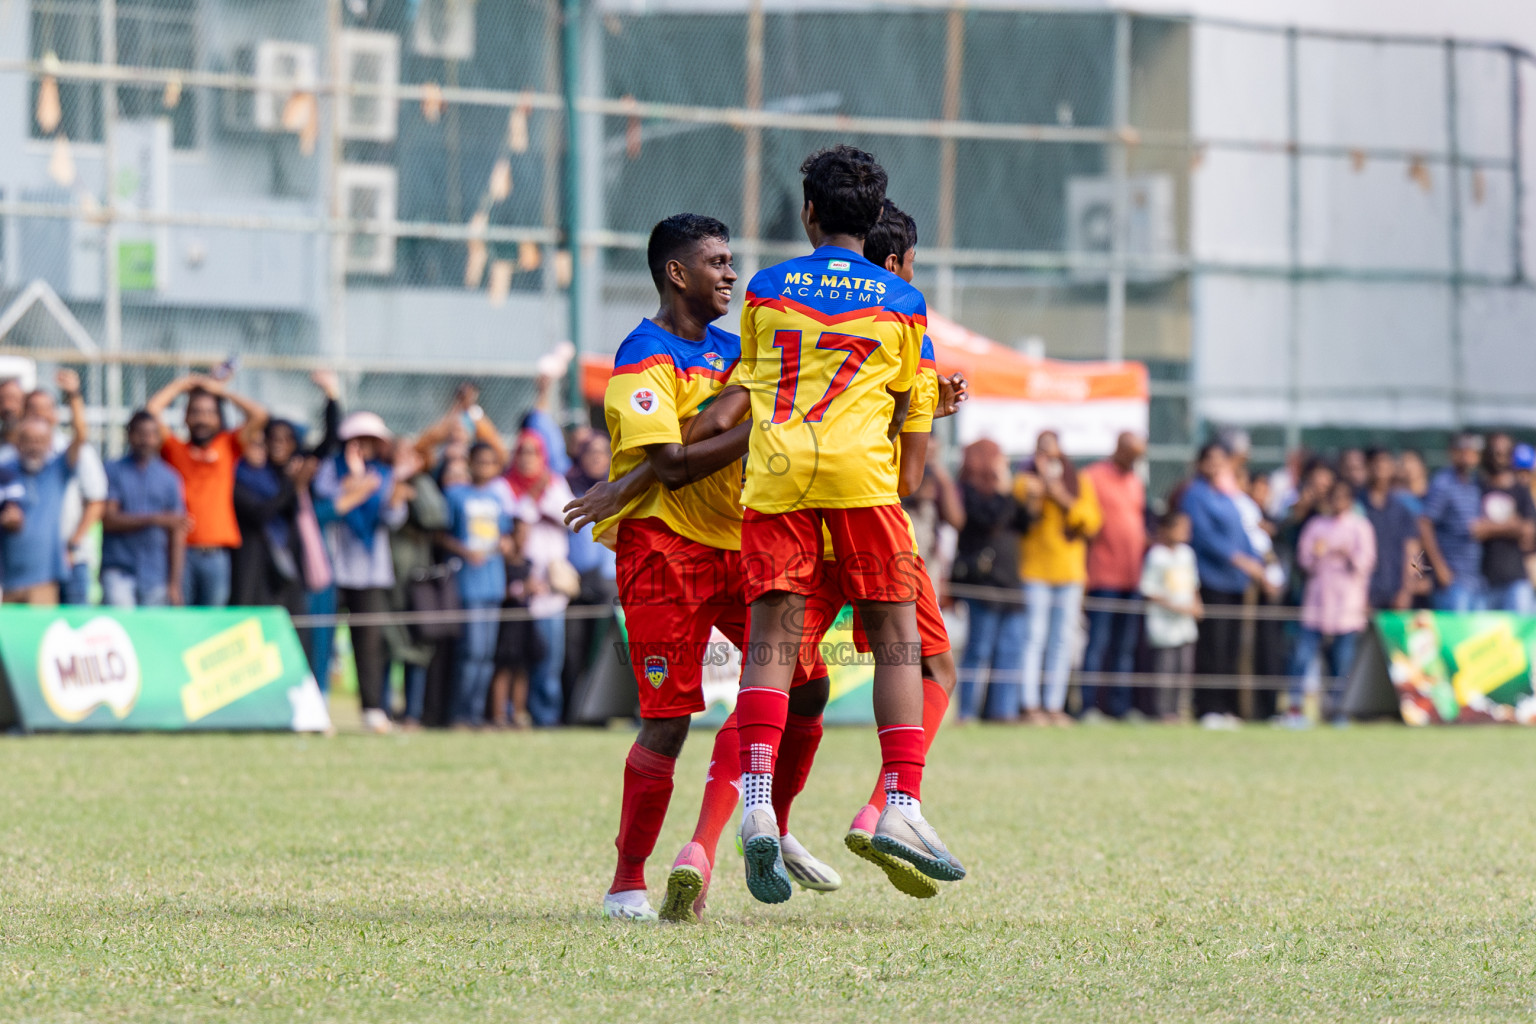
<point x="1085" y="517"/>
<point x="925" y="399"/>
<point x="641" y="406"/>
<point x="910" y="356"/>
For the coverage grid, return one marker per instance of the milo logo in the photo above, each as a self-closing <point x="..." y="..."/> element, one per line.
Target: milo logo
<point x="79" y="669"/>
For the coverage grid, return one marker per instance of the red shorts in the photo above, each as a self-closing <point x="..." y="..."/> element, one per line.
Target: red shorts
<point x="822" y="607"/>
<point x="930" y="621"/>
<point x="875" y="555"/>
<point x="674" y="590"/>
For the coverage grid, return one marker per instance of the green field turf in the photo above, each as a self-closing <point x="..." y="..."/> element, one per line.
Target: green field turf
<point x="1136" y="874"/>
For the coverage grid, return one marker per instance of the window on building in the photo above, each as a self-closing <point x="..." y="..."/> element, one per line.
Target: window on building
<point x="150" y="34"/>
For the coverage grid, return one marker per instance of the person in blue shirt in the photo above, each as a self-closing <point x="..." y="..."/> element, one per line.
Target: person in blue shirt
<point x="1451" y="527"/>
<point x="144" y="526"/>
<point x="33" y="556"/>
<point x="1227" y="565"/>
<point x="478" y="524"/>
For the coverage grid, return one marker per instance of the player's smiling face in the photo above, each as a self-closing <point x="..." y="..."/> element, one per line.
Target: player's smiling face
<point x="710" y="274"/>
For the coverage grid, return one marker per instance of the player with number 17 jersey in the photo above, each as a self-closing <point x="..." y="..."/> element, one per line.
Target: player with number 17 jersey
<point x="826" y="339"/>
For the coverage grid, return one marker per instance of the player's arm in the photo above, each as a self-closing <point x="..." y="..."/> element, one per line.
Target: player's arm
<point x="913" y="449"/>
<point x="677" y="465"/>
<point x="674" y="465"/>
<point x="903" y="401"/>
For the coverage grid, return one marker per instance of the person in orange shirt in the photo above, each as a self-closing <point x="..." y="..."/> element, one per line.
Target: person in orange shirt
<point x="206" y="463"/>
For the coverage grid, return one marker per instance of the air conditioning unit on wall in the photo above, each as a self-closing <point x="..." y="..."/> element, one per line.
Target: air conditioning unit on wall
<point x="370" y="60"/>
<point x="367" y="193"/>
<point x="281" y="68"/>
<point x="1149" y="223"/>
<point x="445" y="29"/>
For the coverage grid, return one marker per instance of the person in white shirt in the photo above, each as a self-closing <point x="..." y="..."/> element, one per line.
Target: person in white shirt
<point x="1170" y="582"/>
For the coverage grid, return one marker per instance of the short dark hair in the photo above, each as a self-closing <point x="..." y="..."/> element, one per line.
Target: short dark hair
<point x="481" y="446"/>
<point x="893" y="235"/>
<point x="1171" y="516"/>
<point x="218" y="403"/>
<point x="847" y="187"/>
<point x="1212" y="446"/>
<point x="141" y="416"/>
<point x="1376" y="451"/>
<point x="674" y="236"/>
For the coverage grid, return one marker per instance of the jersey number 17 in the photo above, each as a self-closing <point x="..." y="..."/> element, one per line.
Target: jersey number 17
<point x="855" y="350"/>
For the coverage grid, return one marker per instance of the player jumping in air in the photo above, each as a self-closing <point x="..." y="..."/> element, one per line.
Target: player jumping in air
<point x="892" y="244"/>
<point x="677" y="538"/>
<point x="831" y="345"/>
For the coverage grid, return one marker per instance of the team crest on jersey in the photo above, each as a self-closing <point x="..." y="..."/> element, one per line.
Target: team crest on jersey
<point x="839" y="265"/>
<point x="656" y="670"/>
<point x="643" y="401"/>
<point x="714" y="360"/>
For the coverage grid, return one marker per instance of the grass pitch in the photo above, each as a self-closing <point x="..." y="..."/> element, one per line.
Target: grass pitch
<point x="1128" y="874"/>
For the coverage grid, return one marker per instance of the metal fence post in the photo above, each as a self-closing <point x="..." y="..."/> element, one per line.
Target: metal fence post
<point x="112" y="291"/>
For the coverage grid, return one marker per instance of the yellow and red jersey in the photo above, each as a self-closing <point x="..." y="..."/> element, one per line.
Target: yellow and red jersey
<point x="660" y="382"/>
<point x="825" y="340"/>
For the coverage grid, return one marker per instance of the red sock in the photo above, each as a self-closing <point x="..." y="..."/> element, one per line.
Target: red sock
<point x="720" y="793"/>
<point x="802" y="735"/>
<point x="647" y="791"/>
<point x="901" y="759"/>
<point x="760" y="714"/>
<point x="935" y="706"/>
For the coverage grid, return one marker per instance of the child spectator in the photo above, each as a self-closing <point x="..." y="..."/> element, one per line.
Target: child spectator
<point x="1338" y="551"/>
<point x="1170" y="581"/>
<point x="518" y="644"/>
<point x="477" y="524"/>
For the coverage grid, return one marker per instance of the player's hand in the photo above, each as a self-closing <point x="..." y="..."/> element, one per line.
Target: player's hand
<point x="603" y="500"/>
<point x="11" y="517"/>
<point x="953" y="390"/>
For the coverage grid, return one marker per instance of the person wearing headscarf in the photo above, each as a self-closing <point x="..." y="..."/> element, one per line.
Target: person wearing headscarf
<point x="595" y="564"/>
<point x="1054" y="564"/>
<point x="987" y="556"/>
<point x="265" y="568"/>
<point x="539" y="497"/>
<point x="360" y="498"/>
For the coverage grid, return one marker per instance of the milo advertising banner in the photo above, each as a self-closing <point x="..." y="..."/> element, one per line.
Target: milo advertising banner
<point x="97" y="669"/>
<point x="1442" y="668"/>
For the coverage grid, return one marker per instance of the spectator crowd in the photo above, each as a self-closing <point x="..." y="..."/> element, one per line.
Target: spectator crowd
<point x="1230" y="595"/>
<point x="217" y="503"/>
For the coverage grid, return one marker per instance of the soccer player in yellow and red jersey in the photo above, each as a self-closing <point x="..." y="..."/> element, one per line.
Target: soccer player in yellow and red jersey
<point x="892" y="244"/>
<point x="677" y="538"/>
<point x="830" y="350"/>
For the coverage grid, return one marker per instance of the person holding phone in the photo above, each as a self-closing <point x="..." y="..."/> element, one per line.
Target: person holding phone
<point x="1053" y="557"/>
<point x="360" y="498"/>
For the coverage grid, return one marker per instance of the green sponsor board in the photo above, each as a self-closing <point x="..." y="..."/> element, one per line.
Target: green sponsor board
<point x="1458" y="668"/>
<point x="99" y="669"/>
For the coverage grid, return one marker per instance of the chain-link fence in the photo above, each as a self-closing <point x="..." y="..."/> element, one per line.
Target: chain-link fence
<point x="1297" y="231"/>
